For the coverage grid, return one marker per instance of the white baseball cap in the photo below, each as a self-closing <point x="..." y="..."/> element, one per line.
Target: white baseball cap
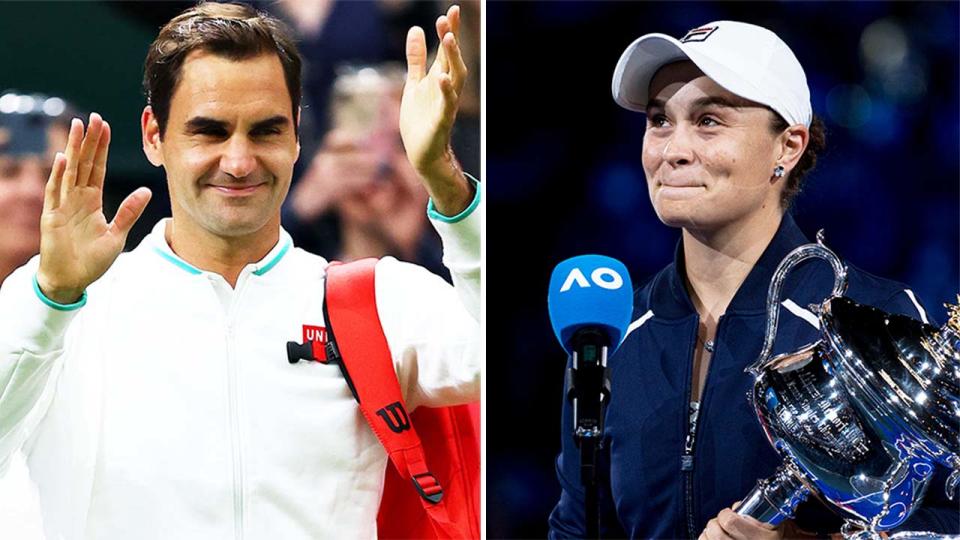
<point x="748" y="60"/>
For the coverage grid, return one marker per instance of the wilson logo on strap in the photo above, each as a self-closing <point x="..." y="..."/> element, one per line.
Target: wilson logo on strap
<point x="395" y="416"/>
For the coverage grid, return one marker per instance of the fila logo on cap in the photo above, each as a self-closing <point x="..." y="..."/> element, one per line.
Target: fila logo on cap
<point x="699" y="34"/>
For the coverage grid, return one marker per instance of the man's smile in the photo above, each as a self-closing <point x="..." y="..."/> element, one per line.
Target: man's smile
<point x="239" y="190"/>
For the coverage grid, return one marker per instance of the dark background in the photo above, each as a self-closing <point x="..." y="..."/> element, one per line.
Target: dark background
<point x="564" y="161"/>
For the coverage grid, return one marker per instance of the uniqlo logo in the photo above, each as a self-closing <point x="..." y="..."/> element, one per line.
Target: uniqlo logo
<point x="317" y="337"/>
<point x="314" y="333"/>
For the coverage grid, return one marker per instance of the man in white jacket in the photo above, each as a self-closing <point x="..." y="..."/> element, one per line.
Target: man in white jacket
<point x="151" y="391"/>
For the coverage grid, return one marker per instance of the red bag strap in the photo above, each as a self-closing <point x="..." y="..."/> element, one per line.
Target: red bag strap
<point x="356" y="341"/>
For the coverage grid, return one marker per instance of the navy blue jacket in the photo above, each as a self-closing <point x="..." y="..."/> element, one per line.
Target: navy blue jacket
<point x="645" y="493"/>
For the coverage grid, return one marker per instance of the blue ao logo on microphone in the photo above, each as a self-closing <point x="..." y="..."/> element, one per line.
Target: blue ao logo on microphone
<point x="590" y="291"/>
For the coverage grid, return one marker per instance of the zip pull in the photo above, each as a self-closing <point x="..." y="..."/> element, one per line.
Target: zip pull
<point x="686" y="460"/>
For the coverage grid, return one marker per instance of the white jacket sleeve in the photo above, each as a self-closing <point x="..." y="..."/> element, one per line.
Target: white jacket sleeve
<point x="433" y="329"/>
<point x="32" y="338"/>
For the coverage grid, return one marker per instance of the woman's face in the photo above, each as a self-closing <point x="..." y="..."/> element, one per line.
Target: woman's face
<point x="708" y="154"/>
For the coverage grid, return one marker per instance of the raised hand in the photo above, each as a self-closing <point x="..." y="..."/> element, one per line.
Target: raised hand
<point x="77" y="244"/>
<point x="428" y="111"/>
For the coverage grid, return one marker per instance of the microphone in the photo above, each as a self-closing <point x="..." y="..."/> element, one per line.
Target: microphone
<point x="590" y="301"/>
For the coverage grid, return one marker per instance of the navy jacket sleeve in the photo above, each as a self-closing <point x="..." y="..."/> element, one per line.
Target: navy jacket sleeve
<point x="568" y="518"/>
<point x="936" y="513"/>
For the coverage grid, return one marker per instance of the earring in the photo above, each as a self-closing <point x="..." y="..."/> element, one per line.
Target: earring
<point x="778" y="171"/>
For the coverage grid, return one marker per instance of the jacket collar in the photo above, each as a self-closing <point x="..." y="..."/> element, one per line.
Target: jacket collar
<point x="670" y="298"/>
<point x="158" y="244"/>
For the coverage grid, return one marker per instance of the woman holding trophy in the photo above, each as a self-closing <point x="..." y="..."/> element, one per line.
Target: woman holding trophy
<point x="730" y="135"/>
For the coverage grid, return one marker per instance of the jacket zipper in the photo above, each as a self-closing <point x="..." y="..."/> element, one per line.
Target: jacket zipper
<point x="695" y="410"/>
<point x="687" y="467"/>
<point x="233" y="377"/>
<point x="235" y="441"/>
<point x="686" y="458"/>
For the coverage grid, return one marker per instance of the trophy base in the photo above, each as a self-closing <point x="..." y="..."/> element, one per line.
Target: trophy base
<point x="922" y="535"/>
<point x="855" y="531"/>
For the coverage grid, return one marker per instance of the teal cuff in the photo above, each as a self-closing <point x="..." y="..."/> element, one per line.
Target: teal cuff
<point x="55" y="305"/>
<point x="432" y="210"/>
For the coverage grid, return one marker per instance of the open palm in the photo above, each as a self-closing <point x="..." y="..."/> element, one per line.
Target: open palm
<point x="431" y="98"/>
<point x="77" y="244"/>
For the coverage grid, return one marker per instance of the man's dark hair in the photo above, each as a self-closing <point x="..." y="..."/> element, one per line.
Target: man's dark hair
<point x="816" y="144"/>
<point x="234" y="31"/>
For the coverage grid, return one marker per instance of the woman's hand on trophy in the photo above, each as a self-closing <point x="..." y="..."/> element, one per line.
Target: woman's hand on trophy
<point x="730" y="525"/>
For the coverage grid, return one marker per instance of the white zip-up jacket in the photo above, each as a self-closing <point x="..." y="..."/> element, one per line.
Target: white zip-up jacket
<point x="165" y="406"/>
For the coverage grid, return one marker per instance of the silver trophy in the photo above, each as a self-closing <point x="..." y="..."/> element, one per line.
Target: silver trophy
<point x="862" y="416"/>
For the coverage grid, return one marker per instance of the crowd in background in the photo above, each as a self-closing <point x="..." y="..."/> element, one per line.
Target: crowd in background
<point x="353" y="52"/>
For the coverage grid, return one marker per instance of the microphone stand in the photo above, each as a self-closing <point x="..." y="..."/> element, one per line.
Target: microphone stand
<point x="588" y="386"/>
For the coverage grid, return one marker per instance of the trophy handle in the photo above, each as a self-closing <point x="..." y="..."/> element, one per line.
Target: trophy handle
<point x="953" y="481"/>
<point x="795" y="257"/>
<point x="774" y="499"/>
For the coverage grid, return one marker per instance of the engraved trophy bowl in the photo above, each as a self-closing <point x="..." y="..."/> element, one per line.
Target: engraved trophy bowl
<point x="904" y="387"/>
<point x="862" y="416"/>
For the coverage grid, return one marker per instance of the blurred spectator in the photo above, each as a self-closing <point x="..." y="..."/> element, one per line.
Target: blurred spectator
<point x="332" y="33"/>
<point x="32" y="129"/>
<point x="361" y="176"/>
<point x="335" y="33"/>
<point x="352" y="195"/>
<point x="466" y="134"/>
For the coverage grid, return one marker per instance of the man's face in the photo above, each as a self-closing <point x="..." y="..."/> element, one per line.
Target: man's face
<point x="22" y="178"/>
<point x="230" y="144"/>
<point x="21" y="201"/>
<point x="708" y="154"/>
